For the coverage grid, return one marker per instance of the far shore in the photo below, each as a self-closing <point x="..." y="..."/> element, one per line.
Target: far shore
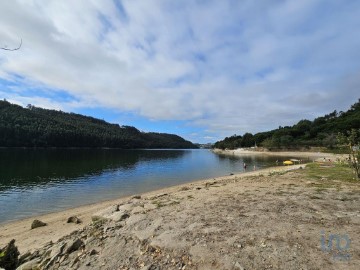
<point x="57" y="226"/>
<point x="314" y="156"/>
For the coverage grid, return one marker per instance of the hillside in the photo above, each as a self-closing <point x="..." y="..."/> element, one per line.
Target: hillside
<point x="37" y="127"/>
<point x="321" y="131"/>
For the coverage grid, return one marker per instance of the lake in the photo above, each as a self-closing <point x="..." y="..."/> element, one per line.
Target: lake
<point x="39" y="181"/>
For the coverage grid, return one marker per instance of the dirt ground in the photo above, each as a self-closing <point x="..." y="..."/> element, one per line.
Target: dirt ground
<point x="270" y="219"/>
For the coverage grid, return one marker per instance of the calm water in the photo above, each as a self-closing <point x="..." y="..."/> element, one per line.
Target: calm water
<point x="34" y="182"/>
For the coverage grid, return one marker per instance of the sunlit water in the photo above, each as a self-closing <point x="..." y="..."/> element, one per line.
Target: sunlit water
<point x="34" y="182"/>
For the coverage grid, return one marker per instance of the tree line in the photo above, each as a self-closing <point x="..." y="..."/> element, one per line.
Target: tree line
<point x="38" y="127"/>
<point x="322" y="132"/>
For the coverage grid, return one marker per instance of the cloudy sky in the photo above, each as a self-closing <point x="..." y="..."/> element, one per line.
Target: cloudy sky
<point x="199" y="68"/>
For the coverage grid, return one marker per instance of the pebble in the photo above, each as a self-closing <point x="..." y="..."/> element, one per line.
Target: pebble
<point x="239" y="266"/>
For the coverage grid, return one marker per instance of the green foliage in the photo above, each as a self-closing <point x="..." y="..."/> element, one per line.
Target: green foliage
<point x="9" y="256"/>
<point x="352" y="142"/>
<point x="318" y="133"/>
<point x="339" y="172"/>
<point x="37" y="127"/>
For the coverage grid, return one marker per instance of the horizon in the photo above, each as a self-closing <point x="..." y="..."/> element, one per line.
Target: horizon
<point x="203" y="70"/>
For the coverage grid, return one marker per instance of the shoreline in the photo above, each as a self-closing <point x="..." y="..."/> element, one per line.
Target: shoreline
<point x="313" y="156"/>
<point x="216" y="151"/>
<point x="57" y="226"/>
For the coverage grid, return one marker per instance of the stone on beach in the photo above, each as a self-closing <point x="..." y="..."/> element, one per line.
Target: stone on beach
<point x="119" y="216"/>
<point x="37" y="223"/>
<point x="74" y="219"/>
<point x="30" y="265"/>
<point x="74" y="245"/>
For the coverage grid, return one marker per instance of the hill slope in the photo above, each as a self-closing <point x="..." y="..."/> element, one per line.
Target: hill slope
<point x="37" y="127"/>
<point x="320" y="132"/>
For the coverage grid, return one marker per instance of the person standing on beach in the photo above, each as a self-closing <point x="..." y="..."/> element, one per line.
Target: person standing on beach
<point x="245" y="166"/>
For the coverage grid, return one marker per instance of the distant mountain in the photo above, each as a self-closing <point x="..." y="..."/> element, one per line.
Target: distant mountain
<point x="37" y="127"/>
<point x="204" y="145"/>
<point x="320" y="132"/>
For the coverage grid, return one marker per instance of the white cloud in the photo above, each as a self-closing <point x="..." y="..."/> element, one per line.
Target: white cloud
<point x="226" y="66"/>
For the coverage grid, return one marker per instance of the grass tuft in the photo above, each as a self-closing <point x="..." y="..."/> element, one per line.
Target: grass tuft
<point x="339" y="172"/>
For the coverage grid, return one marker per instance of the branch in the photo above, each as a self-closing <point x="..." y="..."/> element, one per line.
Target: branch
<point x="13" y="49"/>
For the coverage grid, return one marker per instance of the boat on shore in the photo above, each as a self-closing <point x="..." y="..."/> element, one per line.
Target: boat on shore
<point x="288" y="162"/>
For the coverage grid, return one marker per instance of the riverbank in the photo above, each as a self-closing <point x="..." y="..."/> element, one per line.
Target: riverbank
<point x="310" y="156"/>
<point x="29" y="240"/>
<point x="269" y="219"/>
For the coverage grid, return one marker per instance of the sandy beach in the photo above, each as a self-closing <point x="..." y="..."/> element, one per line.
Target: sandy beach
<point x="312" y="156"/>
<point x="274" y="218"/>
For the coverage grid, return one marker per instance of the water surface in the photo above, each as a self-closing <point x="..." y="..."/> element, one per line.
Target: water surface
<point x="39" y="181"/>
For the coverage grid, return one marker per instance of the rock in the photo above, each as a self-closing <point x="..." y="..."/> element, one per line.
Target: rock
<point x="119" y="216"/>
<point x="75" y="261"/>
<point x="33" y="264"/>
<point x="74" y="219"/>
<point x="126" y="207"/>
<point x="97" y="219"/>
<point x="238" y="265"/>
<point x="150" y="206"/>
<point x="74" y="245"/>
<point x="310" y="183"/>
<point x="137" y="209"/>
<point x="24" y="257"/>
<point x="138" y="197"/>
<point x="37" y="223"/>
<point x="89" y="240"/>
<point x="9" y="256"/>
<point x="58" y="249"/>
<point x="93" y="252"/>
<point x="107" y="211"/>
<point x="114" y="208"/>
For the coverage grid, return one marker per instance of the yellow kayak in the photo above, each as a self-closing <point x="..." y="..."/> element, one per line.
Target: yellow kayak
<point x="288" y="162"/>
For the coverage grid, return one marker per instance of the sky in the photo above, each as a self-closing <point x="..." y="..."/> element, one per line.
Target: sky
<point x="202" y="69"/>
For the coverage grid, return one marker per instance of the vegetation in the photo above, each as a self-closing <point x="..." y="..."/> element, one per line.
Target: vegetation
<point x="321" y="132"/>
<point x="337" y="172"/>
<point x="352" y="142"/>
<point x="37" y="127"/>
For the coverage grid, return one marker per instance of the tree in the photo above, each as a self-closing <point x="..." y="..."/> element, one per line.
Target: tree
<point x="247" y="140"/>
<point x="352" y="140"/>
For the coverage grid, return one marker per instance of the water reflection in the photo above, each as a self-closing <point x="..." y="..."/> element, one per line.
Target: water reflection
<point x="39" y="181"/>
<point x="32" y="167"/>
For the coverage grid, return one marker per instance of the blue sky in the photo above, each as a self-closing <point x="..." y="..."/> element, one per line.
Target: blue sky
<point x="200" y="69"/>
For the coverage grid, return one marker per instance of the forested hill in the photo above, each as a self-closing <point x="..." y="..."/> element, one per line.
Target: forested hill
<point x="37" y="127"/>
<point x="320" y="132"/>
